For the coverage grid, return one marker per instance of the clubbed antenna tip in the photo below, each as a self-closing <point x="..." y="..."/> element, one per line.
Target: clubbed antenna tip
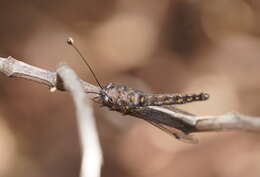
<point x="70" y="41"/>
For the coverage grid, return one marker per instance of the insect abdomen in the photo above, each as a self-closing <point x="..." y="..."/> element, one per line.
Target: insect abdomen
<point x="170" y="99"/>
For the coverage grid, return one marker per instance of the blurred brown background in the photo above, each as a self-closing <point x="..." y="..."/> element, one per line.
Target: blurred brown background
<point x="162" y="46"/>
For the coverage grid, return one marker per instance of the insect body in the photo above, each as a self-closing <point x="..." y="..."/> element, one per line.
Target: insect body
<point x="122" y="98"/>
<point x="137" y="103"/>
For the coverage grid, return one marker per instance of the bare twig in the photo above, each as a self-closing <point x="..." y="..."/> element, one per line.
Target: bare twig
<point x="91" y="150"/>
<point x="14" y="68"/>
<point x="229" y="121"/>
<point x="191" y="123"/>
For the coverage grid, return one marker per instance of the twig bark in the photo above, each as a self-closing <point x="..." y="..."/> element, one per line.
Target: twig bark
<point x="91" y="150"/>
<point x="231" y="121"/>
<point x="18" y="69"/>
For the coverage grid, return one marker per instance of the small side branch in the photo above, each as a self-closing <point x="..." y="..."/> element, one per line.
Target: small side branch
<point x="91" y="150"/>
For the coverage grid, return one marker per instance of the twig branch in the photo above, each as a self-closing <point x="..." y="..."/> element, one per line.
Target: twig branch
<point x="231" y="121"/>
<point x="15" y="68"/>
<point x="91" y="150"/>
<point x="228" y="121"/>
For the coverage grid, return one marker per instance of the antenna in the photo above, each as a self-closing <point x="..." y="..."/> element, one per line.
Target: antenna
<point x="70" y="41"/>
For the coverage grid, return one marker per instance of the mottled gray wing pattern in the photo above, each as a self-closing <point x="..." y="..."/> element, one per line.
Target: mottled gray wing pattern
<point x="186" y="138"/>
<point x="161" y="119"/>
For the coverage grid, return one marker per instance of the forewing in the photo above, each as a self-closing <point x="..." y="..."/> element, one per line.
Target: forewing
<point x="184" y="137"/>
<point x="172" y="108"/>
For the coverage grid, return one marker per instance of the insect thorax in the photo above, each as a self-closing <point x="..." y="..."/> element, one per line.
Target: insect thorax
<point x="121" y="97"/>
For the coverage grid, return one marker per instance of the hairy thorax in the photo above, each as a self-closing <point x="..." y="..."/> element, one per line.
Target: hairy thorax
<point x="121" y="98"/>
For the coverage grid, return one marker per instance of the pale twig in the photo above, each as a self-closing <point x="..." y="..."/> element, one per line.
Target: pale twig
<point x="15" y="68"/>
<point x="91" y="150"/>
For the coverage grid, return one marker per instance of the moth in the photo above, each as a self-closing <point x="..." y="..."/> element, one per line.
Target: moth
<point x="153" y="108"/>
